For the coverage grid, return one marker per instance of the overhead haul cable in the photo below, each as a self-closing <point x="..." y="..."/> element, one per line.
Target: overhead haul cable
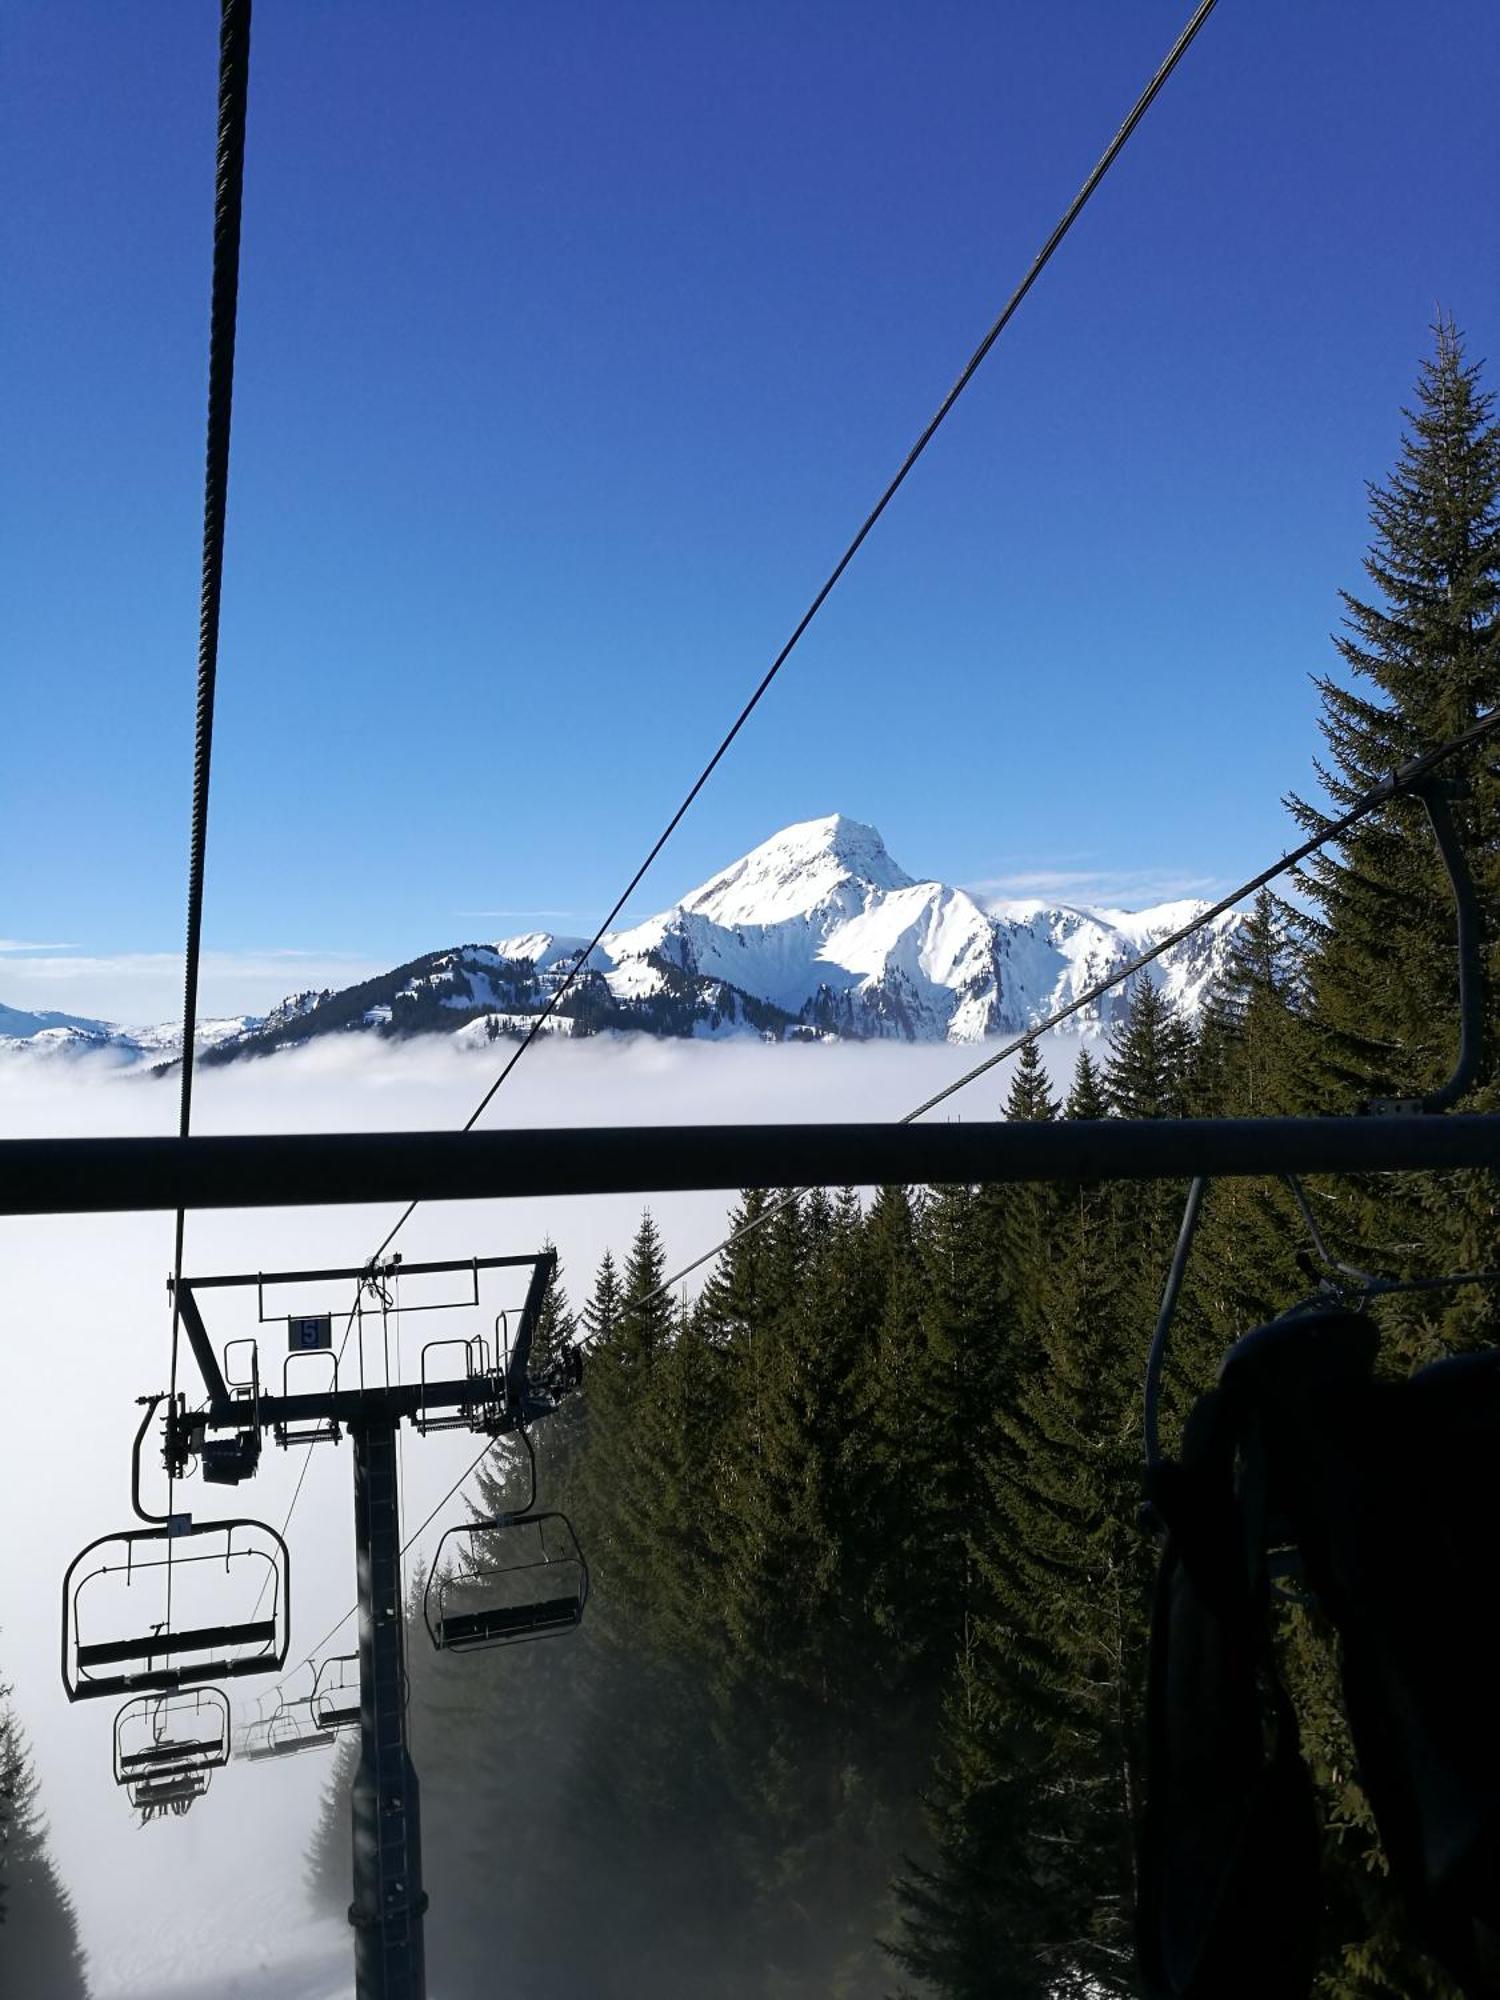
<point x="1395" y="786"/>
<point x="971" y="367"/>
<point x="229" y="174"/>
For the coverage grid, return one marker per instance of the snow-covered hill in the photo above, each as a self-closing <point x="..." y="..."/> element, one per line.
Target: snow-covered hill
<point x="817" y="933"/>
<point x="64" y="1035"/>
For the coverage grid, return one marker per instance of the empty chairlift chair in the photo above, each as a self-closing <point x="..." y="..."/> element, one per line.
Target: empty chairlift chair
<point x="287" y="1732"/>
<point x="171" y="1736"/>
<point x="335" y="1695"/>
<point x="152" y="1610"/>
<point x="520" y="1577"/>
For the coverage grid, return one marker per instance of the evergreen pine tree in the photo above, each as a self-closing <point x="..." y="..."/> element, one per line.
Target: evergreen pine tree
<point x="1030" y="1095"/>
<point x="1146" y="1075"/>
<point x="1087" y="1097"/>
<point x="1422" y="660"/>
<point x="39" y="1948"/>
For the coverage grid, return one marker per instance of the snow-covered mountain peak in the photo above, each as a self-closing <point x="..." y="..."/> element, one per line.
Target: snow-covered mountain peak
<point x="815" y="934"/>
<point x="798" y="870"/>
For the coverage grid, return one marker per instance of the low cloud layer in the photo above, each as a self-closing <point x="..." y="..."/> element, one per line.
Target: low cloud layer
<point x="1094" y="888"/>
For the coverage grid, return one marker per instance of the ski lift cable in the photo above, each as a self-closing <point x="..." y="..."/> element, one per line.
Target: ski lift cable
<point x="1397" y="785"/>
<point x="229" y="171"/>
<point x="1034" y="271"/>
<point x="971" y="368"/>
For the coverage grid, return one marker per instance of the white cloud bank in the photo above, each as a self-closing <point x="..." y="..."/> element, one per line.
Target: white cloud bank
<point x="83" y="1319"/>
<point x="142" y="988"/>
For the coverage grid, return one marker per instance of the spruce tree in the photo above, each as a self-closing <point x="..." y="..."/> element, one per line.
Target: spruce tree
<point x="1421" y="655"/>
<point x="1030" y="1095"/>
<point x="39" y="1948"/>
<point x="1146" y="1075"/>
<point x="1423" y="661"/>
<point x="1087" y="1097"/>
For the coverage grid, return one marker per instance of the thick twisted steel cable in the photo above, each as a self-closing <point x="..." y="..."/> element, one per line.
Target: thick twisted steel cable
<point x="229" y="175"/>
<point x="1400" y="783"/>
<point x="970" y="369"/>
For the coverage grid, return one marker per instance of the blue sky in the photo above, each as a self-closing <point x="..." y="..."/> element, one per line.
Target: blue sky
<point x="574" y="342"/>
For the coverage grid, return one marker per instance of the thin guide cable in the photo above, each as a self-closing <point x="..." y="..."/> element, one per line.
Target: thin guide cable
<point x="1397" y="785"/>
<point x="971" y="368"/>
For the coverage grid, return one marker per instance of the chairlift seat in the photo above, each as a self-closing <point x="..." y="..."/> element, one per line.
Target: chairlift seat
<point x="335" y="1699"/>
<point x="463" y="1629"/>
<point x="160" y="1659"/>
<point x="283" y="1736"/>
<point x="170" y="1790"/>
<point x="171" y="1756"/>
<point x="171" y="1735"/>
<point x="114" y="1651"/>
<point x="530" y="1583"/>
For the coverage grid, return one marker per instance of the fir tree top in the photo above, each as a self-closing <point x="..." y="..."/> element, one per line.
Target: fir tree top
<point x="1030" y="1096"/>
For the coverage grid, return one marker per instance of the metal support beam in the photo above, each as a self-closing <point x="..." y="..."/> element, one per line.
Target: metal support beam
<point x="85" y="1176"/>
<point x="388" y="1901"/>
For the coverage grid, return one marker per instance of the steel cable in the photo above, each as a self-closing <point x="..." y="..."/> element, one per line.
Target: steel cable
<point x="1400" y="783"/>
<point x="229" y="174"/>
<point x="971" y="367"/>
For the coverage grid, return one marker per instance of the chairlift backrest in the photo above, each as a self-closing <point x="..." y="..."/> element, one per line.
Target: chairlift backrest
<point x="523" y="1577"/>
<point x="165" y="1735"/>
<point x="152" y="1610"/>
<point x="287" y="1733"/>
<point x="335" y="1695"/>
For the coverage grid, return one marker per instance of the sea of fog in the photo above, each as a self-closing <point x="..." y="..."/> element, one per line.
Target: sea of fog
<point x="215" y="1903"/>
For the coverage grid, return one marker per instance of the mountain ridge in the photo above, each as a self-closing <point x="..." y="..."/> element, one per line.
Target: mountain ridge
<point x="815" y="934"/>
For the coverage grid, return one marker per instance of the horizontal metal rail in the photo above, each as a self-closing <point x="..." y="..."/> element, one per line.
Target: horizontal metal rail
<point x="96" y="1176"/>
<point x="385" y="1404"/>
<point x="344" y="1272"/>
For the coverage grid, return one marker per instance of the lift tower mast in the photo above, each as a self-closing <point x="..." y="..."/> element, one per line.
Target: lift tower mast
<point x="389" y="1900"/>
<point x="495" y="1394"/>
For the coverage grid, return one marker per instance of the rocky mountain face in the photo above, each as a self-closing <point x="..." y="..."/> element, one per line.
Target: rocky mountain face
<point x="816" y="934"/>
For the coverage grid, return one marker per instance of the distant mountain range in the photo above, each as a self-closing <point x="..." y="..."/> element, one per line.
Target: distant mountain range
<point x="817" y="934"/>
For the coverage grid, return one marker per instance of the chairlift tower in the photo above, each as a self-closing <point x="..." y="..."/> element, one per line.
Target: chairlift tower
<point x="495" y="1394"/>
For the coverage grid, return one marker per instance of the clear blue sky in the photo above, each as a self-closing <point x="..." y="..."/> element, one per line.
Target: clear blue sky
<point x="574" y="341"/>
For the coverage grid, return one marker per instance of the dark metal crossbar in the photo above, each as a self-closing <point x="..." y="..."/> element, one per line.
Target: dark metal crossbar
<point x="465" y="1628"/>
<point x="169" y="1753"/>
<point x="88" y="1176"/>
<point x="171" y="1680"/>
<point x="112" y="1651"/>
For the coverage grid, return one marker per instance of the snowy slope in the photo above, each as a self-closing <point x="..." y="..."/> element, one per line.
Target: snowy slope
<point x="816" y="934"/>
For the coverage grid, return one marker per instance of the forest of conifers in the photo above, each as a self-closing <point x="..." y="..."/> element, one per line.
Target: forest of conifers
<point x="856" y="1707"/>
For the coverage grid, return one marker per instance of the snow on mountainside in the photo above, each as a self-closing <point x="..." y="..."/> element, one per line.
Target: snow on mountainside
<point x="66" y="1035"/>
<point x="816" y="934"/>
